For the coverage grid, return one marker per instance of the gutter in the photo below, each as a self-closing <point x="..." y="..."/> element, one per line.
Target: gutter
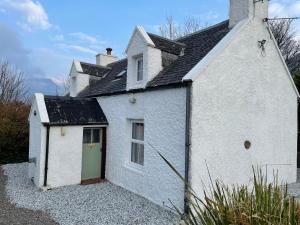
<point x="187" y="146"/>
<point x="47" y="155"/>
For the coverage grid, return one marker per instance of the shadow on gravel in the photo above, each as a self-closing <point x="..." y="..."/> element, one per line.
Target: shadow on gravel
<point x="10" y="214"/>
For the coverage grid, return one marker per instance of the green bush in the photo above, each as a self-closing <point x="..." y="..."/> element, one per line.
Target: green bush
<point x="14" y="132"/>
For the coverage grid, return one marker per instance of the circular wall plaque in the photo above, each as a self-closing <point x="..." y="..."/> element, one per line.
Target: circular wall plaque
<point x="247" y="144"/>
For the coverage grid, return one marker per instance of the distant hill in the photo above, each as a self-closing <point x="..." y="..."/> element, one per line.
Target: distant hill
<point x="44" y="85"/>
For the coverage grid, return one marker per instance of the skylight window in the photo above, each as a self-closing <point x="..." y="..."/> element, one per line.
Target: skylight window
<point x="121" y="73"/>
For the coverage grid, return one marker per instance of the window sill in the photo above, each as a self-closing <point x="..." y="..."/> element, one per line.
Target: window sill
<point x="134" y="167"/>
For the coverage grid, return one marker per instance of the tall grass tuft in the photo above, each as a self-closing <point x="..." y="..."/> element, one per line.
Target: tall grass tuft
<point x="262" y="203"/>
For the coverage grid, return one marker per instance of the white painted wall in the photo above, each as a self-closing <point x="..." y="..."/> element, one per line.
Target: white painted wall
<point x="65" y="155"/>
<point x="104" y="59"/>
<point x="152" y="61"/>
<point x="37" y="141"/>
<point x="65" y="152"/>
<point x="34" y="141"/>
<point x="242" y="95"/>
<point x="78" y="81"/>
<point x="243" y="9"/>
<point x="163" y="113"/>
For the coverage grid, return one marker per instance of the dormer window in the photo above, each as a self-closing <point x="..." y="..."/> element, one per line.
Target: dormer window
<point x="139" y="63"/>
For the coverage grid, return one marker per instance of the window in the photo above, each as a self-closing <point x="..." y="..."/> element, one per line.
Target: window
<point x="140" y="69"/>
<point x="137" y="143"/>
<point x="91" y="135"/>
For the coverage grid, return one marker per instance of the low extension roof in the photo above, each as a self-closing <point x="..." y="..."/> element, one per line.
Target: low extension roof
<point x="196" y="46"/>
<point x="74" y="111"/>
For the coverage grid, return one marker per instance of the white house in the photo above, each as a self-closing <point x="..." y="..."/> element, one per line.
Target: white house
<point x="220" y="99"/>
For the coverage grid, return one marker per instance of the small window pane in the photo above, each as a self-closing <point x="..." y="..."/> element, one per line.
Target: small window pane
<point x="133" y="152"/>
<point x="96" y="136"/>
<point x="138" y="131"/>
<point x="137" y="153"/>
<point x="140" y="69"/>
<point x="87" y="136"/>
<point x="140" y="158"/>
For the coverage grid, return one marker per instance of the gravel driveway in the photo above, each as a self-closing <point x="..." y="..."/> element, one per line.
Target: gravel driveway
<point x="12" y="215"/>
<point x="102" y="203"/>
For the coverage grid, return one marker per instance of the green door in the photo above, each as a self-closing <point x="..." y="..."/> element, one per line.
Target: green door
<point x="91" y="153"/>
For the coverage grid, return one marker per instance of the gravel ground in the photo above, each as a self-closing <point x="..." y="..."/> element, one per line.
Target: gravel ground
<point x="12" y="215"/>
<point x="100" y="204"/>
<point x="294" y="189"/>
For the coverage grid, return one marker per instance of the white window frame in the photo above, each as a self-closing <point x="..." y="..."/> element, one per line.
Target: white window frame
<point x="138" y="69"/>
<point x="132" y="140"/>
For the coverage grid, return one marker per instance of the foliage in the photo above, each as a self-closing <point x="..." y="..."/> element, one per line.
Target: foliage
<point x="296" y="78"/>
<point x="13" y="132"/>
<point x="285" y="35"/>
<point x="260" y="203"/>
<point x="264" y="203"/>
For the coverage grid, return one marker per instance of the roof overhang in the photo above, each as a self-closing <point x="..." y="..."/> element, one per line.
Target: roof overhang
<point x="41" y="107"/>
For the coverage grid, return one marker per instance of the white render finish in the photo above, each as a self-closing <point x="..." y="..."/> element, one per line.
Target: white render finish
<point x="37" y="139"/>
<point x="65" y="155"/>
<point x="140" y="45"/>
<point x="244" y="94"/>
<point x="104" y="60"/>
<point x="245" y="9"/>
<point x="65" y="149"/>
<point x="78" y="79"/>
<point x="163" y="113"/>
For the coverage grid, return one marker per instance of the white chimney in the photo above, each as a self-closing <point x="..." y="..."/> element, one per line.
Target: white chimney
<point x="105" y="59"/>
<point x="243" y="9"/>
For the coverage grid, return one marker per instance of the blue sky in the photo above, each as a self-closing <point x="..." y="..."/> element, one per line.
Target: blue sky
<point x="42" y="37"/>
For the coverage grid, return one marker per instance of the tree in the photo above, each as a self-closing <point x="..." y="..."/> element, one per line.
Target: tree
<point x="14" y="132"/>
<point x="12" y="84"/>
<point x="289" y="46"/>
<point x="14" y="112"/>
<point x="172" y="30"/>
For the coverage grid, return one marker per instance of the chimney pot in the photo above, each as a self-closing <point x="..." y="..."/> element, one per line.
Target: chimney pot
<point x="108" y="51"/>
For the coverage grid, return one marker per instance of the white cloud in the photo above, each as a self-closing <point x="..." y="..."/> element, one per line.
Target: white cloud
<point x="286" y="8"/>
<point x="32" y="11"/>
<point x="85" y="37"/>
<point x="283" y="8"/>
<point x="77" y="48"/>
<point x="58" y="37"/>
<point x="57" y="81"/>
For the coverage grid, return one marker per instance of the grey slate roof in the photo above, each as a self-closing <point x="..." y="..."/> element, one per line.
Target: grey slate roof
<point x="74" y="111"/>
<point x="197" y="46"/>
<point x="94" y="70"/>
<point x="111" y="83"/>
<point x="167" y="45"/>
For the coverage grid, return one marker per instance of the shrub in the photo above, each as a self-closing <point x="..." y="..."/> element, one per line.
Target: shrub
<point x="264" y="204"/>
<point x="13" y="132"/>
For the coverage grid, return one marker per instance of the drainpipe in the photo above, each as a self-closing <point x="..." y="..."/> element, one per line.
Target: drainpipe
<point x="187" y="145"/>
<point x="47" y="154"/>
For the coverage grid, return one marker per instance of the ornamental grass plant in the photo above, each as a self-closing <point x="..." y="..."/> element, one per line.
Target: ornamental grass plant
<point x="260" y="203"/>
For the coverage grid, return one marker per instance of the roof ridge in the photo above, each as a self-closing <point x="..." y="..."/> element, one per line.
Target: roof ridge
<point x="167" y="39"/>
<point x="203" y="30"/>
